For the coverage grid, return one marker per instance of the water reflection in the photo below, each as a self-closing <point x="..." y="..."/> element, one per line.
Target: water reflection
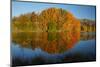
<point x="87" y="36"/>
<point x="50" y="42"/>
<point x="32" y="48"/>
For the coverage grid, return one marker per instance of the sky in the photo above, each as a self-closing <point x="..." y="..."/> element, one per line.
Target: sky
<point x="79" y="11"/>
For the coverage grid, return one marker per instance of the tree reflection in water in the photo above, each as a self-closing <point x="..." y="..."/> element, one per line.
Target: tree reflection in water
<point x="50" y="42"/>
<point x="87" y="36"/>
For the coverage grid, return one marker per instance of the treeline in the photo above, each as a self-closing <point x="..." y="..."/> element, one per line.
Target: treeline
<point x="49" y="20"/>
<point x="88" y="25"/>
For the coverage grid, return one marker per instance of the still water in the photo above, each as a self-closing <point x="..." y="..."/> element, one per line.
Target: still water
<point x="50" y="48"/>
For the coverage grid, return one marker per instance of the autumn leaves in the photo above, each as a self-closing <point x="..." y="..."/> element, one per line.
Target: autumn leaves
<point x="49" y="20"/>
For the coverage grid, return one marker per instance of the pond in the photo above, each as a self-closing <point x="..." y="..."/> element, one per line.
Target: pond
<point x="34" y="48"/>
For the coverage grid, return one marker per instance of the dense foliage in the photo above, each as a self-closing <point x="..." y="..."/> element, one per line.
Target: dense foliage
<point x="88" y="25"/>
<point x="50" y="20"/>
